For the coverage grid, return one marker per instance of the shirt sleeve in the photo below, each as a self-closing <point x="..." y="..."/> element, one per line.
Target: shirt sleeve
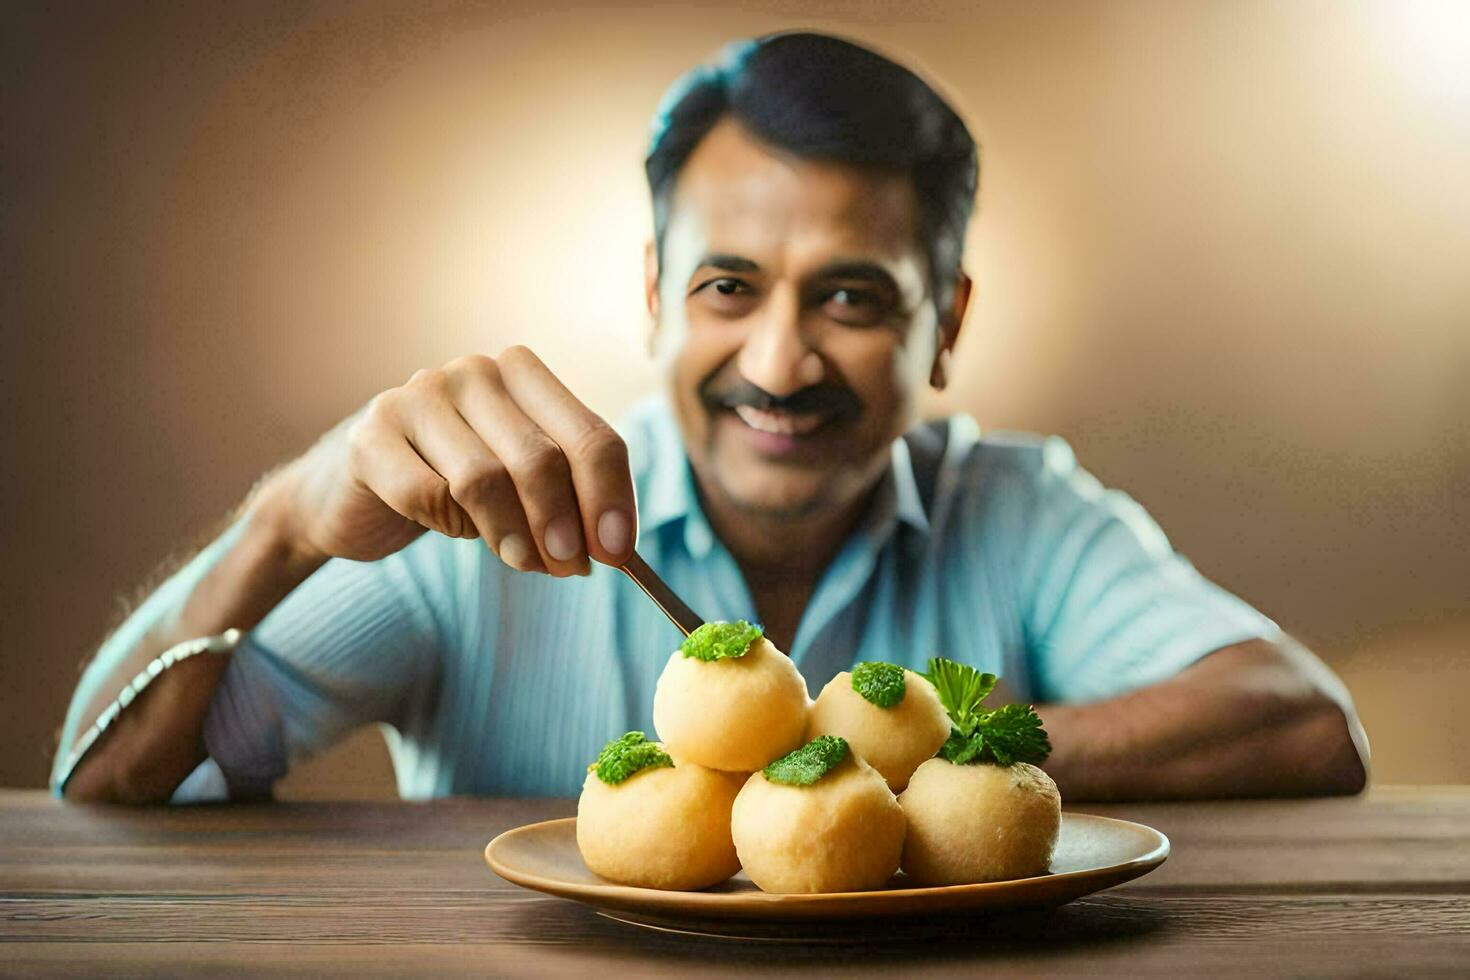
<point x="1108" y="605"/>
<point x="356" y="643"/>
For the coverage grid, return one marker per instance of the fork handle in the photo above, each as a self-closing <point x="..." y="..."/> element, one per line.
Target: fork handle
<point x="668" y="603"/>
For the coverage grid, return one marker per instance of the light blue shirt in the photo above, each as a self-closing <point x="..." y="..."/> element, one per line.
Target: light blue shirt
<point x="998" y="551"/>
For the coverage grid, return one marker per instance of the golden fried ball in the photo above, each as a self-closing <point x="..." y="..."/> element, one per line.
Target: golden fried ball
<point x="842" y="833"/>
<point x="660" y="828"/>
<point x="736" y="714"/>
<point x="980" y="822"/>
<point x="893" y="740"/>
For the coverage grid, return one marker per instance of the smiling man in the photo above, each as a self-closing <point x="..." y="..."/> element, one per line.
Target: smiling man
<point x="439" y="562"/>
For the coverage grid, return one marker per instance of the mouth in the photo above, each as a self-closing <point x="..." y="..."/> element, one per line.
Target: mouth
<point x="776" y="435"/>
<point x="804" y="427"/>
<point x="779" y="423"/>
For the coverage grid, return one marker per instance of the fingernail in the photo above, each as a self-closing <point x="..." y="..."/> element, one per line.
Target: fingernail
<point x="615" y="532"/>
<point x="515" y="551"/>
<point x="564" y="539"/>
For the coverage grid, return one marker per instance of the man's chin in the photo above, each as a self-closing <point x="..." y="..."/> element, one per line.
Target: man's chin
<point x="772" y="500"/>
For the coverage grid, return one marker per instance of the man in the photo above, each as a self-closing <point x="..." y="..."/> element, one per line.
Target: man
<point x="439" y="562"/>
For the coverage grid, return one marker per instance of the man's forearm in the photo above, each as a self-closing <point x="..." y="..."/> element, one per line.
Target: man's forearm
<point x="1255" y="719"/>
<point x="158" y="739"/>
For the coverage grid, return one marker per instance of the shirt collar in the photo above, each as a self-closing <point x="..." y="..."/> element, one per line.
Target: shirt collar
<point x="668" y="494"/>
<point x="909" y="506"/>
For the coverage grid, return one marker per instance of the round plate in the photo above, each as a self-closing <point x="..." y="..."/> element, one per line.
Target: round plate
<point x="1092" y="853"/>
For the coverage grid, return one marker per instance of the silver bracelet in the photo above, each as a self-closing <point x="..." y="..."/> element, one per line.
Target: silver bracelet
<point x="220" y="643"/>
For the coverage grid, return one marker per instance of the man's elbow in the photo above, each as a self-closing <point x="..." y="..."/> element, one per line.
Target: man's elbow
<point x="1330" y="751"/>
<point x="94" y="784"/>
<point x="103" y="776"/>
<point x="1324" y="748"/>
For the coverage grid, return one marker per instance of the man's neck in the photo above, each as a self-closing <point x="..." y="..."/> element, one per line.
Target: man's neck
<point x="781" y="558"/>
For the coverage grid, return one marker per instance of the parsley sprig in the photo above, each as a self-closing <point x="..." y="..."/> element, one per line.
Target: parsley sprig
<point x="806" y="765"/>
<point x="720" y="641"/>
<point x="1003" y="736"/>
<point x="628" y="755"/>
<point x="879" y="683"/>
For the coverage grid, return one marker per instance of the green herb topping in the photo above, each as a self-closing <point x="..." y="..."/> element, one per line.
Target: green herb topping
<point x="1004" y="736"/>
<point x="879" y="683"/>
<point x="628" y="755"/>
<point x="809" y="763"/>
<point x="720" y="641"/>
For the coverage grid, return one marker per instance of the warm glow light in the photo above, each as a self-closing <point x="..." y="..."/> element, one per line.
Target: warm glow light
<point x="1430" y="45"/>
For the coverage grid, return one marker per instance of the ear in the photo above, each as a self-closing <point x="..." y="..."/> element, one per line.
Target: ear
<point x="650" y="277"/>
<point x="949" y="330"/>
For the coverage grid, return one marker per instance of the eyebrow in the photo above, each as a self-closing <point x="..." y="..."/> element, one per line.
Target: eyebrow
<point x="859" y="270"/>
<point x="729" y="263"/>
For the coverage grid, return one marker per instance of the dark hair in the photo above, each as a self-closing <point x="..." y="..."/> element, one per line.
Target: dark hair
<point x="819" y="96"/>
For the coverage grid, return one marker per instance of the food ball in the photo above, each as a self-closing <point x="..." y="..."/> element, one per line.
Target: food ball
<point x="893" y="740"/>
<point x="664" y="826"/>
<point x="980" y="822"/>
<point x="732" y="711"/>
<point x="842" y="832"/>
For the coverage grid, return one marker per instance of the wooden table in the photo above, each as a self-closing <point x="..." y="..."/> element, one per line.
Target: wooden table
<point x="1377" y="886"/>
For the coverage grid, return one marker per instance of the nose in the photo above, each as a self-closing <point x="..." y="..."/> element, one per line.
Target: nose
<point x="777" y="355"/>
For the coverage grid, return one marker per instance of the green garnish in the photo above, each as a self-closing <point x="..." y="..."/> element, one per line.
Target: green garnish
<point x="879" y="683"/>
<point x="809" y="763"/>
<point x="961" y="688"/>
<point x="720" y="641"/>
<point x="1004" y="736"/>
<point x="628" y="755"/>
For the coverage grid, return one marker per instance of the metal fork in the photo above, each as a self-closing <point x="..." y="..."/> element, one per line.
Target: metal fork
<point x="668" y="603"/>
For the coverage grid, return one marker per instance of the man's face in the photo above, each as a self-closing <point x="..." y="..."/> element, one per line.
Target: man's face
<point x="793" y="313"/>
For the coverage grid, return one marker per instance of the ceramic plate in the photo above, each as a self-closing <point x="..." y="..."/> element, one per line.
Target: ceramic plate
<point x="1092" y="853"/>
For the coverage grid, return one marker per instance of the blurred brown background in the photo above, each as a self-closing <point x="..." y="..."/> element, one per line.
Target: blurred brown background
<point x="1222" y="247"/>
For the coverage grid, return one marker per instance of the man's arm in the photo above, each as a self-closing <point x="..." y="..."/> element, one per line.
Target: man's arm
<point x="1260" y="718"/>
<point x="158" y="740"/>
<point x="489" y="448"/>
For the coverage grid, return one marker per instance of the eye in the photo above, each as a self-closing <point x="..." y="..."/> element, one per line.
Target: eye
<point x="725" y="297"/>
<point x="856" y="307"/>
<point x="725" y="286"/>
<point x="728" y="287"/>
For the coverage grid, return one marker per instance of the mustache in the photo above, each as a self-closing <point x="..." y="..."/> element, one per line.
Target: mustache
<point x="826" y="398"/>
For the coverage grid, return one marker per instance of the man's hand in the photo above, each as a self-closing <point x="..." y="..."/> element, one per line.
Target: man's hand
<point x="490" y="448"/>
<point x="494" y="448"/>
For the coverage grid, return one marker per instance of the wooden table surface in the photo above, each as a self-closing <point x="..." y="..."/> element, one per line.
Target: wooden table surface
<point x="1372" y="886"/>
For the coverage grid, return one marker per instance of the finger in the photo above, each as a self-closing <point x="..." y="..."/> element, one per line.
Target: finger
<point x="537" y="467"/>
<point x="597" y="455"/>
<point x="478" y="481"/>
<point x="385" y="463"/>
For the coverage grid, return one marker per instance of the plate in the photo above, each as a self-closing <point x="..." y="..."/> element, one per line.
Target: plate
<point x="1092" y="853"/>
